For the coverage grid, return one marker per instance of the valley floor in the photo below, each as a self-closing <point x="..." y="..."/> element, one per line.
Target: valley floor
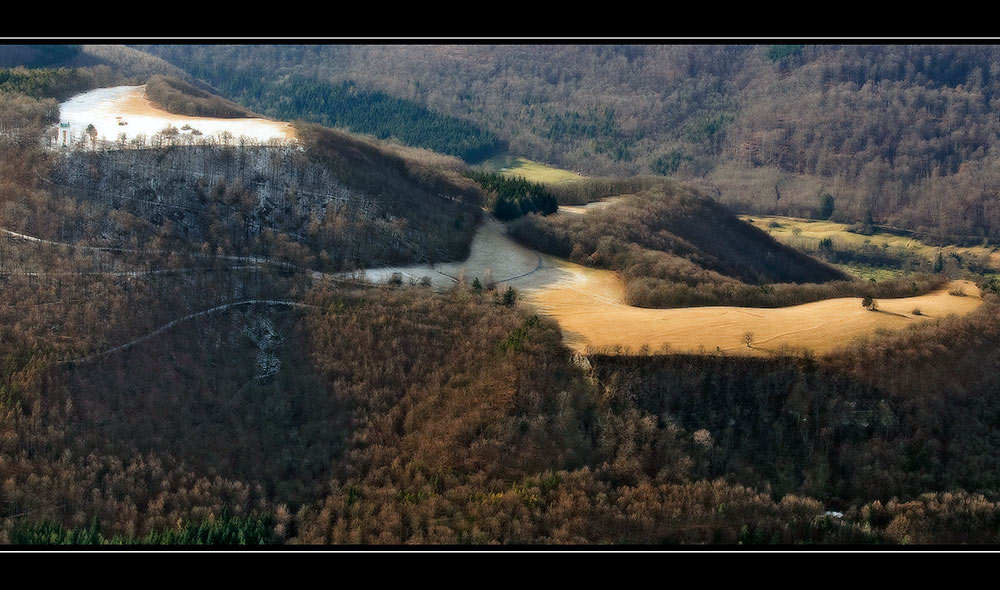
<point x="591" y="321"/>
<point x="799" y="232"/>
<point x="589" y="305"/>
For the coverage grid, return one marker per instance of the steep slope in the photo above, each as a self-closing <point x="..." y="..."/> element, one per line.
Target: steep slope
<point x="672" y="233"/>
<point x="336" y="202"/>
<point x="178" y="96"/>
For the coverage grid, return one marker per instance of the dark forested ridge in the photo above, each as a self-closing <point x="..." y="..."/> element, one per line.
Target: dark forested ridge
<point x="345" y="105"/>
<point x="125" y="65"/>
<point x="38" y="55"/>
<point x="905" y="133"/>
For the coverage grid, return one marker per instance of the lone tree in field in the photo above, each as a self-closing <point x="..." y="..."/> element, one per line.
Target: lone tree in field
<point x="748" y="339"/>
<point x="826" y="206"/>
<point x="869" y="303"/>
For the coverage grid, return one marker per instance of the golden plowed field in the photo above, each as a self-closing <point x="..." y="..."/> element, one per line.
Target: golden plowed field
<point x="590" y="309"/>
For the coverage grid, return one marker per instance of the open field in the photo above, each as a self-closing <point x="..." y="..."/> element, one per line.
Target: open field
<point x="807" y="233"/>
<point x="106" y="108"/>
<point x="589" y="305"/>
<point x="581" y="209"/>
<point x="590" y="318"/>
<point x="866" y="272"/>
<point x="531" y="171"/>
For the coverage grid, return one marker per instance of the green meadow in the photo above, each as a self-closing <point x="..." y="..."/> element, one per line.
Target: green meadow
<point x="529" y="170"/>
<point x="879" y="255"/>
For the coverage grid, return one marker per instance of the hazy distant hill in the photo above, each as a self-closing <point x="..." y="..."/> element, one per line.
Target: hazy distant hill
<point x="127" y="63"/>
<point x="884" y="129"/>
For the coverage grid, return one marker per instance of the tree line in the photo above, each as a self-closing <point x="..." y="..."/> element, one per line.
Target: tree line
<point x="344" y="105"/>
<point x="177" y="96"/>
<point x="511" y="198"/>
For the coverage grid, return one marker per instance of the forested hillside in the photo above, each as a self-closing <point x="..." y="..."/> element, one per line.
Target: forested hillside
<point x="344" y="105"/>
<point x="182" y="361"/>
<point x="59" y="83"/>
<point x="675" y="247"/>
<point x="182" y="98"/>
<point x="343" y="203"/>
<point x="127" y="65"/>
<point x="903" y="133"/>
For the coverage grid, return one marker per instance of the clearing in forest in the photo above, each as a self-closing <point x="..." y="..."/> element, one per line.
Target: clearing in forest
<point x="581" y="209"/>
<point x="125" y="109"/>
<point x="529" y="170"/>
<point x="806" y="234"/>
<point x="589" y="305"/>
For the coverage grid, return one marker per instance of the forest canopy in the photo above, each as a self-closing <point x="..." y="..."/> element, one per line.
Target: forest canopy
<point x="186" y="358"/>
<point x="362" y="111"/>
<point x="887" y="130"/>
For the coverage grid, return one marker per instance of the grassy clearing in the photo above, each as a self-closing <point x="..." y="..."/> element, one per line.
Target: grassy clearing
<point x="806" y="234"/>
<point x="531" y="171"/>
<point x="867" y="272"/>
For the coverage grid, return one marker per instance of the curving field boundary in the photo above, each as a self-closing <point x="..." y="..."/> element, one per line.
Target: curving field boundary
<point x="589" y="304"/>
<point x="593" y="322"/>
